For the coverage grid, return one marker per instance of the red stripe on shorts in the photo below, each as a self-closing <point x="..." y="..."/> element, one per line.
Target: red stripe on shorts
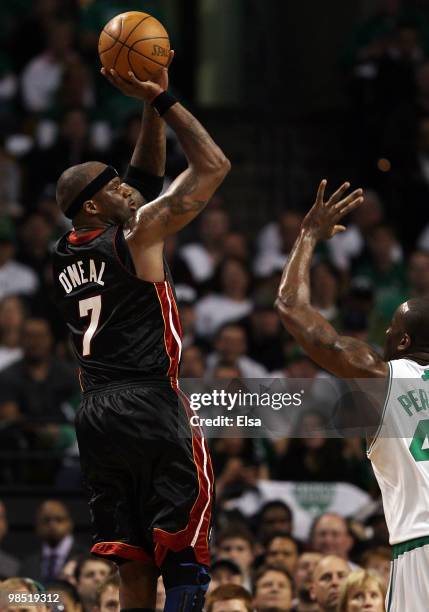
<point x="196" y="532"/>
<point x="172" y="327"/>
<point x="122" y="550"/>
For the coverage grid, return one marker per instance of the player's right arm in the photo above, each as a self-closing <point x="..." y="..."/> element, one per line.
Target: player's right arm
<point x="190" y="191"/>
<point x="343" y="356"/>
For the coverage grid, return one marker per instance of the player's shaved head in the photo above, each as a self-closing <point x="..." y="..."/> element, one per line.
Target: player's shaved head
<point x="415" y="317"/>
<point x="74" y="179"/>
<point x="408" y="333"/>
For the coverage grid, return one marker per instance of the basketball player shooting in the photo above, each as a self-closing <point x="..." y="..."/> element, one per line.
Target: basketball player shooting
<point x="398" y="453"/>
<point x="148" y="474"/>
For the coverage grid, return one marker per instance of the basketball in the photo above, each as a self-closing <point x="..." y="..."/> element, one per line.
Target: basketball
<point x="136" y="42"/>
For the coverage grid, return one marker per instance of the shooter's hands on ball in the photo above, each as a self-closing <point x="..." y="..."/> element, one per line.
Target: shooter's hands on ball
<point x="143" y="90"/>
<point x="322" y="220"/>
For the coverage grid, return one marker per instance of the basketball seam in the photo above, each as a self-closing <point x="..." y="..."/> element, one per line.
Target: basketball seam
<point x="120" y="48"/>
<point x="148" y="58"/>
<point x="111" y="46"/>
<point x="106" y="50"/>
<point x="133" y="69"/>
<point x="139" y="40"/>
<point x="131" y="48"/>
<point x="134" y="28"/>
<point x="143" y="55"/>
<point x="150" y="38"/>
<point x="129" y="34"/>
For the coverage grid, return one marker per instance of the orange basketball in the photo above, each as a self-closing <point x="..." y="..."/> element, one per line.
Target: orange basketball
<point x="134" y="42"/>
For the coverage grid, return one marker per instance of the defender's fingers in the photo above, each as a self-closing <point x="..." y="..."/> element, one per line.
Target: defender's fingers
<point x="355" y="194"/>
<point x="321" y="192"/>
<point x="335" y="197"/>
<point x="350" y="207"/>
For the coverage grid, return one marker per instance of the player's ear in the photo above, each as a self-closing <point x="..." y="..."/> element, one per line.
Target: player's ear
<point x="90" y="207"/>
<point x="404" y="343"/>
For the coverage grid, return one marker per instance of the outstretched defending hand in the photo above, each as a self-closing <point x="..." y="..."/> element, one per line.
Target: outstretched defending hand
<point x="142" y="90"/>
<point x="322" y="219"/>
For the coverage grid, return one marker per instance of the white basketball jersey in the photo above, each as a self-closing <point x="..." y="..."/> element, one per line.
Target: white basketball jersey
<point x="400" y="451"/>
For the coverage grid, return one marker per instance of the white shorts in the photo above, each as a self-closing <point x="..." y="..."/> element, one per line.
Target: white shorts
<point x="409" y="577"/>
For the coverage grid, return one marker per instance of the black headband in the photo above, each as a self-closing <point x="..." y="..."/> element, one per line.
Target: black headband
<point x="90" y="190"/>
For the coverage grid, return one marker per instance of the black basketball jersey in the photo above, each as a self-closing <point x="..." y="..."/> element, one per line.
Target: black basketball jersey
<point x="123" y="328"/>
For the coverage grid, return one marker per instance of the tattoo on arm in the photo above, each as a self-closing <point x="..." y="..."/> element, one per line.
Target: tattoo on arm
<point x="190" y="192"/>
<point x="180" y="202"/>
<point x="199" y="147"/>
<point x="197" y="133"/>
<point x="175" y="204"/>
<point x="341" y="355"/>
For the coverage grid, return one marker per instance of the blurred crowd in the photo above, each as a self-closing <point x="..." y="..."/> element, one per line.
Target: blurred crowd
<point x="386" y="74"/>
<point x="56" y="111"/>
<point x="257" y="566"/>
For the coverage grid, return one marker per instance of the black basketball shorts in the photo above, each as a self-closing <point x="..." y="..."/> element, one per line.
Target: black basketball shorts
<point x="147" y="471"/>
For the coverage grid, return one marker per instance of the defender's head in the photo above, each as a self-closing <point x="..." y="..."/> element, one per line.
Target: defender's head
<point x="408" y="333"/>
<point x="93" y="191"/>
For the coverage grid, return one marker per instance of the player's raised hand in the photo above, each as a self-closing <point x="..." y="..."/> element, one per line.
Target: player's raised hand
<point x="322" y="221"/>
<point x="142" y="90"/>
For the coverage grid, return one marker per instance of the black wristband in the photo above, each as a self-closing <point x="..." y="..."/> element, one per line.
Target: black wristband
<point x="149" y="185"/>
<point x="163" y="102"/>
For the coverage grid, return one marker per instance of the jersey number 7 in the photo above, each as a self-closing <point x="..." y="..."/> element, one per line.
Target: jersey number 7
<point x="90" y="305"/>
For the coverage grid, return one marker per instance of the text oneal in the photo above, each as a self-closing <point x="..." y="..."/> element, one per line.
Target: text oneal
<point x="80" y="273"/>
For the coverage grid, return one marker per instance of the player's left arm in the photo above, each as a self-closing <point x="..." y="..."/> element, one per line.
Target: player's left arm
<point x="341" y="355"/>
<point x="146" y="170"/>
